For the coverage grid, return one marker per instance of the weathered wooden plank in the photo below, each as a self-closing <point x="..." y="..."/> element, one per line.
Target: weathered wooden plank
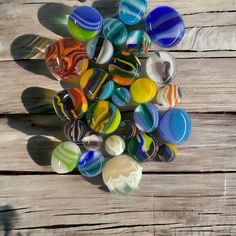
<point x="208" y="30"/>
<point x="164" y="205"/>
<point x="27" y="144"/>
<point x="208" y="85"/>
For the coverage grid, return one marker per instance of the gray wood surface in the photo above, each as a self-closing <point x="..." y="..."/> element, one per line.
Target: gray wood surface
<point x="195" y="195"/>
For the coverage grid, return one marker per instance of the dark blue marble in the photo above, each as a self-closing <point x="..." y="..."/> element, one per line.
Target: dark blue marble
<point x="165" y="26"/>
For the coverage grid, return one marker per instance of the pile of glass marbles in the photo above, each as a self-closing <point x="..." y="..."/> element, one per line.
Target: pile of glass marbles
<point x="101" y="139"/>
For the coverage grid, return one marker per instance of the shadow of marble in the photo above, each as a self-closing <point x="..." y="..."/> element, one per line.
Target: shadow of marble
<point x="27" y="47"/>
<point x="40" y="149"/>
<point x="53" y="16"/>
<point x="107" y="8"/>
<point x="7" y="216"/>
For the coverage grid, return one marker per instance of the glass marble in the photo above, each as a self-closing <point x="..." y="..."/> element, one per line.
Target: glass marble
<point x="99" y="50"/>
<point x="84" y="23"/>
<point x="124" y="68"/>
<point x="115" y="145"/>
<point x="127" y="129"/>
<point x="139" y="42"/>
<point x="66" y="58"/>
<point x="75" y="130"/>
<point x="175" y="126"/>
<point x="132" y="11"/>
<point x="91" y="163"/>
<point x="165" y="26"/>
<point x="122" y="175"/>
<point x="168" y="96"/>
<point x="146" y="117"/>
<point x="115" y="31"/>
<point x="142" y="147"/>
<point x="103" y="117"/>
<point x="70" y="104"/>
<point x="121" y="97"/>
<point x="167" y="152"/>
<point x="65" y="157"/>
<point x="161" y="67"/>
<point x="95" y="84"/>
<point x="92" y="141"/>
<point x="143" y="90"/>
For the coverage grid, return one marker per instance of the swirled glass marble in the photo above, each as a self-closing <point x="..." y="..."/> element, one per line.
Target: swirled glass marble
<point x="122" y="175"/>
<point x="165" y="26"/>
<point x="127" y="129"/>
<point x="168" y="96"/>
<point x="161" y="67"/>
<point x="124" y="68"/>
<point x="132" y="11"/>
<point x="115" y="145"/>
<point x="142" y="147"/>
<point x="95" y="84"/>
<point x="84" y="23"/>
<point x="66" y="58"/>
<point x="65" y="157"/>
<point x="146" y="117"/>
<point x="70" y="104"/>
<point x="91" y="163"/>
<point x="99" y="50"/>
<point x="92" y="141"/>
<point x="175" y="126"/>
<point x="143" y="90"/>
<point x="139" y="42"/>
<point x="167" y="152"/>
<point x="121" y="97"/>
<point x="103" y="117"/>
<point x="75" y="130"/>
<point x="115" y="31"/>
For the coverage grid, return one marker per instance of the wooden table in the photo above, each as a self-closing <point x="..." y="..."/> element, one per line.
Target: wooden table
<point x="195" y="195"/>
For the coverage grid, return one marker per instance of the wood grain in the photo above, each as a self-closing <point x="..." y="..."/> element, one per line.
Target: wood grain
<point x="194" y="195"/>
<point x="165" y="205"/>
<point x="212" y="146"/>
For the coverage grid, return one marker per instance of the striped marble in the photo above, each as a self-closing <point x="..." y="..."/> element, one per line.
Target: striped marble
<point x="167" y="152"/>
<point x="165" y="26"/>
<point x="95" y="84"/>
<point x="168" y="96"/>
<point x="121" y="96"/>
<point x="99" y="50"/>
<point x="75" y="130"/>
<point x="132" y="11"/>
<point x="91" y="163"/>
<point x="65" y="157"/>
<point x="115" y="31"/>
<point x="139" y="42"/>
<point x="146" y="117"/>
<point x="122" y="175"/>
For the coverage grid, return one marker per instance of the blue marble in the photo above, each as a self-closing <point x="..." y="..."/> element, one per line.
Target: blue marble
<point x="175" y="126"/>
<point x="91" y="163"/>
<point x="132" y="11"/>
<point x="121" y="97"/>
<point x="115" y="31"/>
<point x="107" y="90"/>
<point x="165" y="26"/>
<point x="86" y="18"/>
<point x="146" y="117"/>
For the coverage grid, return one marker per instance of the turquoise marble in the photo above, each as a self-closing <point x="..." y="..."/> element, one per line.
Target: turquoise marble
<point x="91" y="164"/>
<point x="146" y="117"/>
<point x="115" y="31"/>
<point x="139" y="42"/>
<point x="132" y="11"/>
<point x="121" y="97"/>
